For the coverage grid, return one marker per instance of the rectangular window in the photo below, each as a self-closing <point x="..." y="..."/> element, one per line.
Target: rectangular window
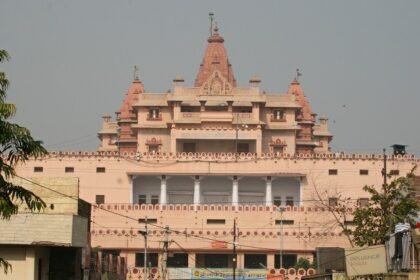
<point x="68" y="169"/>
<point x="149" y="221"/>
<point x="153" y="149"/>
<point x="100" y="199"/>
<point x="394" y="172"/>
<point x="154" y="114"/>
<point x="152" y="259"/>
<point x="216" y="221"/>
<point x="277" y="150"/>
<point x="363" y="201"/>
<point x="289" y="201"/>
<point x="332" y="172"/>
<point x="216" y="260"/>
<point x="189" y="147"/>
<point x="288" y="260"/>
<point x="278" y="115"/>
<point x="155" y="199"/>
<point x="363" y="172"/>
<point x="285" y="222"/>
<point x="277" y="201"/>
<point x="142" y="199"/>
<point x="243" y="148"/>
<point x="332" y="201"/>
<point x="38" y="169"/>
<point x="185" y="109"/>
<point x="100" y="169"/>
<point x="349" y="223"/>
<point x="178" y="260"/>
<point x="255" y="261"/>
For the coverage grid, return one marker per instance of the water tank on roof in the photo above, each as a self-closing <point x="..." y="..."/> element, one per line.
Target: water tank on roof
<point x="399" y="149"/>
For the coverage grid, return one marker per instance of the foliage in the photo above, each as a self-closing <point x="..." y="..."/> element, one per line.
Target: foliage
<point x="16" y="146"/>
<point x="393" y="203"/>
<point x="304" y="263"/>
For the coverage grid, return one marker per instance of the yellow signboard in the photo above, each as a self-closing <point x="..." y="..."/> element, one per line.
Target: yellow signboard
<point x="366" y="260"/>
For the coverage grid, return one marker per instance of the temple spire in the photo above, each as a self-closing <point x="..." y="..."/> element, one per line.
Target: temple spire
<point x="215" y="59"/>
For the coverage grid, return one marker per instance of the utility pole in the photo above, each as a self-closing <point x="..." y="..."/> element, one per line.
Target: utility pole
<point x="165" y="253"/>
<point x="145" y="248"/>
<point x="234" y="249"/>
<point x="281" y="210"/>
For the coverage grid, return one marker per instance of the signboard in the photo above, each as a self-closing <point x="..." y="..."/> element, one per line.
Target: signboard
<point x="227" y="273"/>
<point x="367" y="260"/>
<point x="179" y="273"/>
<point x="219" y="244"/>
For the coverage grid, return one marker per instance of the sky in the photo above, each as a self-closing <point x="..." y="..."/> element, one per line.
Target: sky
<point x="72" y="61"/>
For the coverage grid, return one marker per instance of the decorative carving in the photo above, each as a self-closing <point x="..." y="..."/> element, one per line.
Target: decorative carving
<point x="153" y="141"/>
<point x="278" y="142"/>
<point x="216" y="84"/>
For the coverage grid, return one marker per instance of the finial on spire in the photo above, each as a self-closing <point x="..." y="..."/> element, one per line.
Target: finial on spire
<point x="298" y="74"/>
<point x="216" y="28"/>
<point x="211" y="22"/>
<point x="136" y="72"/>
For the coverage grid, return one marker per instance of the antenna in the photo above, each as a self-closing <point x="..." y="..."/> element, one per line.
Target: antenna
<point x="298" y="74"/>
<point x="136" y="72"/>
<point x="211" y="22"/>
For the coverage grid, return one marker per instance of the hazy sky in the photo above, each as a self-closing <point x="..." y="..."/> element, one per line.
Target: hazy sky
<point x="72" y="61"/>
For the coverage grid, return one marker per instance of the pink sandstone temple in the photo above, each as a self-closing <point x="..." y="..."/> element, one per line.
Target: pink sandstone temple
<point x="199" y="160"/>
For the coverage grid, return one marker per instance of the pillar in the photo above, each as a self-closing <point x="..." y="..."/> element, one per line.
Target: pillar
<point x="258" y="140"/>
<point x="270" y="261"/>
<point x="133" y="178"/>
<point x="268" y="192"/>
<point x="191" y="260"/>
<point x="235" y="191"/>
<point x="299" y="181"/>
<point x="197" y="190"/>
<point x="240" y="260"/>
<point x="30" y="262"/>
<point x="163" y="190"/>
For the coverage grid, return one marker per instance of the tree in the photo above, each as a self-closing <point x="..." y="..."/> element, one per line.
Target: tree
<point x="393" y="203"/>
<point x="16" y="146"/>
<point x="304" y="263"/>
<point x="340" y="208"/>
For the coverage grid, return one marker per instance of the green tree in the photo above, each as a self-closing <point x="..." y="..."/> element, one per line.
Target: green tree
<point x="16" y="146"/>
<point x="304" y="263"/>
<point x="392" y="204"/>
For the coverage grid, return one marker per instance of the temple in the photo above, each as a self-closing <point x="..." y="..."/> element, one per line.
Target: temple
<point x="195" y="163"/>
<point x="215" y="116"/>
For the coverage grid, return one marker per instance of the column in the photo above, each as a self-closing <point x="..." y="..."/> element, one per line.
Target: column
<point x="163" y="189"/>
<point x="299" y="200"/>
<point x="133" y="178"/>
<point x="30" y="261"/>
<point x="258" y="140"/>
<point x="197" y="190"/>
<point x="270" y="261"/>
<point x="268" y="192"/>
<point x="235" y="191"/>
<point x="240" y="260"/>
<point x="174" y="134"/>
<point x="191" y="260"/>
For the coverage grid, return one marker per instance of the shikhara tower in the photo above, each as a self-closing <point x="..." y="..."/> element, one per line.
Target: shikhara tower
<point x="215" y="116"/>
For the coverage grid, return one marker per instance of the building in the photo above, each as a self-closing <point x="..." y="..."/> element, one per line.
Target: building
<point x="199" y="159"/>
<point x="49" y="244"/>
